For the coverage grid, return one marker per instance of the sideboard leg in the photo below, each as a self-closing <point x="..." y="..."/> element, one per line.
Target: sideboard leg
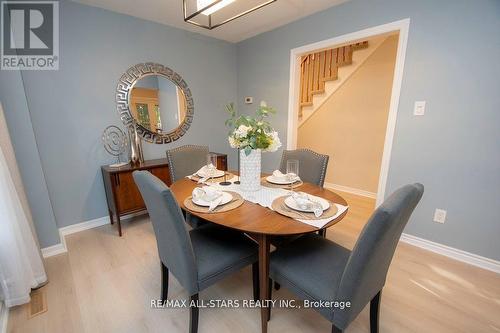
<point x="111" y="216"/>
<point x="119" y="224"/>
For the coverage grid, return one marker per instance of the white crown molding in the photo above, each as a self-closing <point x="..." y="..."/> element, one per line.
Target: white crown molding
<point x="351" y="190"/>
<point x="4" y="317"/>
<point x="450" y="252"/>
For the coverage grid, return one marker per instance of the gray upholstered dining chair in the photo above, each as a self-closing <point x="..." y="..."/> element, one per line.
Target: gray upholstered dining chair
<point x="312" y="165"/>
<point x="197" y="258"/>
<point x="186" y="160"/>
<point x="334" y="273"/>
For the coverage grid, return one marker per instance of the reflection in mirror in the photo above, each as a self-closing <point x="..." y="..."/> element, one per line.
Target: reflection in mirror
<point x="157" y="104"/>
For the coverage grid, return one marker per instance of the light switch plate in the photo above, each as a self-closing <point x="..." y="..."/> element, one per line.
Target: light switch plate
<point x="439" y="215"/>
<point x="419" y="109"/>
<point x="248" y="100"/>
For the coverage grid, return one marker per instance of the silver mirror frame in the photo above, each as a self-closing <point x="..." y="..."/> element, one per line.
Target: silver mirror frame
<point x="124" y="89"/>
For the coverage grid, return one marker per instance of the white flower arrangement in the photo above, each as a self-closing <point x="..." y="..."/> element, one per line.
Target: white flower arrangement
<point x="249" y="133"/>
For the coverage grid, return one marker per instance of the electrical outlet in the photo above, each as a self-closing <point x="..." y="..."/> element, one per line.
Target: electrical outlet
<point x="439" y="215"/>
<point x="419" y="109"/>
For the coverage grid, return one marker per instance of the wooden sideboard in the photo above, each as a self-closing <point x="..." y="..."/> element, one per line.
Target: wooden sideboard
<point x="122" y="194"/>
<point x="221" y="161"/>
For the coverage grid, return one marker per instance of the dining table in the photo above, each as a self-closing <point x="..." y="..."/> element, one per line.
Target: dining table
<point x="261" y="224"/>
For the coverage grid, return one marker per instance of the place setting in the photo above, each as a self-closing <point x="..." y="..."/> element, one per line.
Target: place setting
<point x="208" y="199"/>
<point x="209" y="172"/>
<point x="281" y="180"/>
<point x="303" y="206"/>
<point x="288" y="180"/>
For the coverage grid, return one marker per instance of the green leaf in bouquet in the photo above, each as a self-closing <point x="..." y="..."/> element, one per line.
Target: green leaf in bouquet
<point x="248" y="150"/>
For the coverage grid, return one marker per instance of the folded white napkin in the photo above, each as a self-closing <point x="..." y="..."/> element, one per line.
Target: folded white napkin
<point x="205" y="170"/>
<point x="208" y="194"/>
<point x="320" y="223"/>
<point x="305" y="201"/>
<point x="282" y="176"/>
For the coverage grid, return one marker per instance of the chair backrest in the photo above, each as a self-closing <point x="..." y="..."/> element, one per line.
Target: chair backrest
<point x="312" y="166"/>
<point x="366" y="269"/>
<point x="172" y="237"/>
<point x="186" y="160"/>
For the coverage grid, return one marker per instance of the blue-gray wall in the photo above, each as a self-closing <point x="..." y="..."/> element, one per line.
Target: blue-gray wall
<point x="17" y="115"/>
<point x="71" y="107"/>
<point x="452" y="62"/>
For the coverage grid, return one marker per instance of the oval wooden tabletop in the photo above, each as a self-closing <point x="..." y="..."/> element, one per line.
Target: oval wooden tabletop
<point x="253" y="218"/>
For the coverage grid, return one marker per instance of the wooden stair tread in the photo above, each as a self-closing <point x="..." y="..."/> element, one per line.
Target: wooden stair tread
<point x="319" y="91"/>
<point x="330" y="78"/>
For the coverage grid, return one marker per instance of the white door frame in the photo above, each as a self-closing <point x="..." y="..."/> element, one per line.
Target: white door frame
<point x="402" y="27"/>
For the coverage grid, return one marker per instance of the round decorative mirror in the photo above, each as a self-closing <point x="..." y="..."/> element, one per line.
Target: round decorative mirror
<point x="157" y="100"/>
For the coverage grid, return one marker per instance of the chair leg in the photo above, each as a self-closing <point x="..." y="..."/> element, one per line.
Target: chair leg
<point x="335" y="329"/>
<point x="164" y="282"/>
<point x="255" y="280"/>
<point x="194" y="313"/>
<point x="375" y="313"/>
<point x="270" y="297"/>
<point x="277" y="286"/>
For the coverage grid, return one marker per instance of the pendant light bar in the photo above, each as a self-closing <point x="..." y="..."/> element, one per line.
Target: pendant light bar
<point x="210" y="26"/>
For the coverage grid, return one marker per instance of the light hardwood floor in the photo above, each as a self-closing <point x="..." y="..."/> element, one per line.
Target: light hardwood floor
<point x="105" y="284"/>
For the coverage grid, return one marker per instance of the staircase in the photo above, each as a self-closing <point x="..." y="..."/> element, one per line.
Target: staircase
<point x="323" y="72"/>
<point x="319" y="67"/>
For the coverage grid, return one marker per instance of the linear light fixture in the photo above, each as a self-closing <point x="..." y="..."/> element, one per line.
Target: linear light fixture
<point x="208" y="8"/>
<point x="200" y="4"/>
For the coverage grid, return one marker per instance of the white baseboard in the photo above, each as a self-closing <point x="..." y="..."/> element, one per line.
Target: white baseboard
<point x="352" y="190"/>
<point x="466" y="257"/>
<point x="71" y="229"/>
<point x="4" y="317"/>
<point x="54" y="250"/>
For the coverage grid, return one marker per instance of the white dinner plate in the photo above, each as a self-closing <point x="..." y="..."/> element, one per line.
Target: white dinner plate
<point x="217" y="173"/>
<point x="293" y="205"/>
<point x="281" y="181"/>
<point x="226" y="197"/>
